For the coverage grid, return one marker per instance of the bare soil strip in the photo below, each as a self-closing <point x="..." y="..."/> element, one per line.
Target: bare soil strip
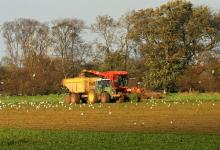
<point x="179" y="118"/>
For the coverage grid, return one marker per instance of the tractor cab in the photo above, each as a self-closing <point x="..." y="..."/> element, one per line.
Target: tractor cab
<point x="103" y="85"/>
<point x="122" y="80"/>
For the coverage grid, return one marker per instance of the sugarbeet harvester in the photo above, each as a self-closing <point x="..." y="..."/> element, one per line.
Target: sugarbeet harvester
<point x="104" y="87"/>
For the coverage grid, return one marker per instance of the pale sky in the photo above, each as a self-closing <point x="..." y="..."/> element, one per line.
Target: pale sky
<point x="87" y="10"/>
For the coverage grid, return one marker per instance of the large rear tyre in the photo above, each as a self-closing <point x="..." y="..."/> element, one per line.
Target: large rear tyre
<point x="67" y="99"/>
<point x="105" y="97"/>
<point x="92" y="97"/>
<point x="72" y="98"/>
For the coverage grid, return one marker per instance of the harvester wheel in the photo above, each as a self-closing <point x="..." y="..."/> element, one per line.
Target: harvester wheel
<point x="74" y="98"/>
<point x="92" y="97"/>
<point x="105" y="97"/>
<point x="67" y="99"/>
<point x="121" y="99"/>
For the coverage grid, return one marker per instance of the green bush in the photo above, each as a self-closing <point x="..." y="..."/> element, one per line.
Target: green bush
<point x="134" y="98"/>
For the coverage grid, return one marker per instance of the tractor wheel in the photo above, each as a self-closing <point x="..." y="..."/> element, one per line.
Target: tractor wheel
<point x="92" y="97"/>
<point x="74" y="98"/>
<point x="121" y="99"/>
<point x="67" y="99"/>
<point x="105" y="97"/>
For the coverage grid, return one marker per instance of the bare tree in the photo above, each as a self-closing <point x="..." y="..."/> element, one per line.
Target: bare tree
<point x="126" y="46"/>
<point x="105" y="27"/>
<point x="25" y="38"/>
<point x="113" y="40"/>
<point x="67" y="42"/>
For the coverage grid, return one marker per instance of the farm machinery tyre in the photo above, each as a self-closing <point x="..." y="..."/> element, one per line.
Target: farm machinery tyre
<point x="105" y="97"/>
<point x="72" y="98"/>
<point x="92" y="97"/>
<point x="67" y="99"/>
<point x="121" y="99"/>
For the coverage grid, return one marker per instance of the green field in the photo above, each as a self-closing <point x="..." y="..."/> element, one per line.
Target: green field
<point x="40" y="139"/>
<point x="193" y="97"/>
<point x="55" y="99"/>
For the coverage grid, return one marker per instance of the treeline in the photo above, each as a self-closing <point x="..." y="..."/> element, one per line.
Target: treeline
<point x="174" y="47"/>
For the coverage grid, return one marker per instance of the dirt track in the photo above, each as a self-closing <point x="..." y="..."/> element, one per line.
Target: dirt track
<point x="187" y="118"/>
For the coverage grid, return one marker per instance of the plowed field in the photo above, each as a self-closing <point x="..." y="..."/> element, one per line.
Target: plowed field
<point x="156" y="118"/>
